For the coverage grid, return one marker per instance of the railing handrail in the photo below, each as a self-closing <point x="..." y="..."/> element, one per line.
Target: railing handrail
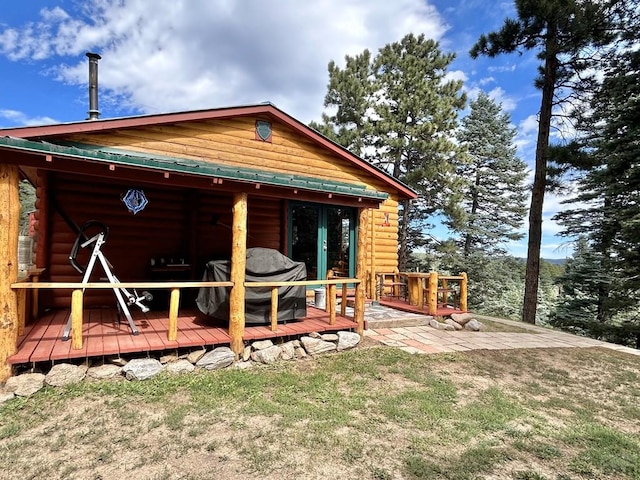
<point x="107" y="285"/>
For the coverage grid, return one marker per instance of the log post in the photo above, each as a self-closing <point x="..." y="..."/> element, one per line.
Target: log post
<point x="327" y="290"/>
<point x="22" y="309"/>
<point x="463" y="292"/>
<point x="9" y="227"/>
<point x="419" y="283"/>
<point x="361" y="267"/>
<point x="343" y="304"/>
<point x="274" y="309"/>
<point x="433" y="293"/>
<point x="76" y="319"/>
<point x="174" y="302"/>
<point x="373" y="292"/>
<point x="238" y="273"/>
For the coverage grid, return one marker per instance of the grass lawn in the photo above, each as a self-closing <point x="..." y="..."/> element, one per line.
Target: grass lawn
<point x="372" y="413"/>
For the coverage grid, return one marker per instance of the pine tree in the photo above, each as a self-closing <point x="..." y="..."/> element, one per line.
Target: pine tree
<point x="561" y="31"/>
<point x="495" y="198"/>
<point x="398" y="110"/>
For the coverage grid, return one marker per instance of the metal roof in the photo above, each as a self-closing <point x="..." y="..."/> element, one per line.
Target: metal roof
<point x="189" y="166"/>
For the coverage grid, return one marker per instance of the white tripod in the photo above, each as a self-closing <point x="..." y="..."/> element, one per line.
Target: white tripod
<point x="131" y="298"/>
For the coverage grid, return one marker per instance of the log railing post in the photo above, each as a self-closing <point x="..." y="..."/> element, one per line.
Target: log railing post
<point x="274" y="309"/>
<point x="433" y="293"/>
<point x="76" y="319"/>
<point x="463" y="292"/>
<point x="9" y="227"/>
<point x="361" y="267"/>
<point x="238" y="273"/>
<point x="343" y="304"/>
<point x="174" y="303"/>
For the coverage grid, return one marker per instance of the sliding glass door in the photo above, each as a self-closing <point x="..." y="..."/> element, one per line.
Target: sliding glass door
<point x="323" y="237"/>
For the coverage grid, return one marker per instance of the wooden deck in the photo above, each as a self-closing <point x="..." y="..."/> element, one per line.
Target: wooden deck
<point x="404" y="305"/>
<point x="103" y="335"/>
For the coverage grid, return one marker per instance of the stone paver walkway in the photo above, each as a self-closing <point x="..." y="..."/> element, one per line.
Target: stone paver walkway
<point x="421" y="338"/>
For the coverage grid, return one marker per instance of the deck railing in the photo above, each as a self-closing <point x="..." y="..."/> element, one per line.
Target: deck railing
<point x="414" y="286"/>
<point x="77" y="303"/>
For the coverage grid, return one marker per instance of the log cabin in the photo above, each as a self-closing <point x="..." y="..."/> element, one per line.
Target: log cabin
<point x="176" y="191"/>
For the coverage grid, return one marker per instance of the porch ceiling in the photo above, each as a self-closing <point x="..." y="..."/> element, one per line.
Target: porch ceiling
<point x="186" y="166"/>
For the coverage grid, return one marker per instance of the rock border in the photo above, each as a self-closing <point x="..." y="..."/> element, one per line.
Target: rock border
<point x="140" y="369"/>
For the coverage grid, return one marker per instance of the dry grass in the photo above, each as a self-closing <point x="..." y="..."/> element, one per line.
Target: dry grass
<point x="379" y="413"/>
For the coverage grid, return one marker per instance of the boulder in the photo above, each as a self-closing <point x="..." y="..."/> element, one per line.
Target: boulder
<point x="314" y="346"/>
<point x="461" y="318"/>
<point x="246" y="353"/>
<point x="300" y="353"/>
<point x="104" y="372"/>
<point x="267" y="355"/>
<point x="288" y="351"/>
<point x="142" y="368"/>
<point x="474" y="325"/>
<point x="217" y="358"/>
<point x="24" y="385"/>
<point x="64" y="374"/>
<point x="262" y="344"/>
<point x="5" y="397"/>
<point x="453" y="323"/>
<point x="164" y="359"/>
<point x="439" y="325"/>
<point x="329" y="337"/>
<point x="196" y="355"/>
<point x="347" y="340"/>
<point x="180" y="366"/>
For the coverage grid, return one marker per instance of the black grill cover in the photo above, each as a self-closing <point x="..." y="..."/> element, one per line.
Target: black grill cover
<point x="263" y="265"/>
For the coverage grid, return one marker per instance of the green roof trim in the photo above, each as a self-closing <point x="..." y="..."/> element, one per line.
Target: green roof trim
<point x="190" y="166"/>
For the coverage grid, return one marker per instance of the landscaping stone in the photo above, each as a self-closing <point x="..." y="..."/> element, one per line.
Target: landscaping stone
<point x="453" y="323"/>
<point x="329" y="337"/>
<point x="25" y="385"/>
<point x="64" y="374"/>
<point x="104" y="372"/>
<point x="439" y="325"/>
<point x="314" y="346"/>
<point x="119" y="361"/>
<point x="315" y="335"/>
<point x="300" y="353"/>
<point x="196" y="355"/>
<point x="288" y="351"/>
<point x="168" y="358"/>
<point x="461" y="318"/>
<point x="267" y="355"/>
<point x="246" y="353"/>
<point x="6" y="396"/>
<point x="142" y="368"/>
<point x="217" y="358"/>
<point x="474" y="325"/>
<point x="262" y="344"/>
<point x="180" y="366"/>
<point x="347" y="340"/>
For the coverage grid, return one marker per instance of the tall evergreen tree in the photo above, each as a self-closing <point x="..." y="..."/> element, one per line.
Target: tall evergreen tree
<point x="398" y="110"/>
<point x="495" y="197"/>
<point x="561" y="31"/>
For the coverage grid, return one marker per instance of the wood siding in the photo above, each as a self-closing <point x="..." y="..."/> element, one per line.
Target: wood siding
<point x="176" y="224"/>
<point x="232" y="142"/>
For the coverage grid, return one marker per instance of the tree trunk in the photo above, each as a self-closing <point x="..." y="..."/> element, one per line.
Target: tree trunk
<point x="402" y="234"/>
<point x="539" y="183"/>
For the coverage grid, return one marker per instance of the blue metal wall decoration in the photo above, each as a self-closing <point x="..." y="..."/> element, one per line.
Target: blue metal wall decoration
<point x="135" y="200"/>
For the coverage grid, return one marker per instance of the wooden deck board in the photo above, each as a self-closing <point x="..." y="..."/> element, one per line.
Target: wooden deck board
<point x="407" y="307"/>
<point x="103" y="335"/>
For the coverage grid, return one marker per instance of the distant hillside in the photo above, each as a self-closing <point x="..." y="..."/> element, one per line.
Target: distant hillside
<point x="556" y="261"/>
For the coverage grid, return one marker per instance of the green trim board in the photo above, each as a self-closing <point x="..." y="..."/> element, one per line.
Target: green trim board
<point x="189" y="166"/>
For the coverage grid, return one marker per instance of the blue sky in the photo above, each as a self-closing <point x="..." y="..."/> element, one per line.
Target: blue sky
<point x="174" y="55"/>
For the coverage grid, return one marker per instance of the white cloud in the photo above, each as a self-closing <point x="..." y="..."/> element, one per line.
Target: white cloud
<point x="456" y="75"/>
<point x="180" y="55"/>
<point x="486" y="80"/>
<point x="19" y="118"/>
<point x="502" y="68"/>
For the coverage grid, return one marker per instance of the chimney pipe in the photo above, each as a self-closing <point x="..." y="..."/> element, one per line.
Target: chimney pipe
<point x="93" y="112"/>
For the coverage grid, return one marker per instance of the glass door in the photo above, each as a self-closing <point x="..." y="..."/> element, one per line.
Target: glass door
<point x="323" y="237"/>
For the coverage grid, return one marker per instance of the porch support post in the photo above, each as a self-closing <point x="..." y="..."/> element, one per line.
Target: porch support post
<point x="361" y="269"/>
<point x="238" y="273"/>
<point x="463" y="292"/>
<point x="174" y="303"/>
<point x="373" y="290"/>
<point x="9" y="227"/>
<point x="433" y="293"/>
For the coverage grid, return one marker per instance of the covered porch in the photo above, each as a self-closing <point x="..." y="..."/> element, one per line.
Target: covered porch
<point x="105" y="335"/>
